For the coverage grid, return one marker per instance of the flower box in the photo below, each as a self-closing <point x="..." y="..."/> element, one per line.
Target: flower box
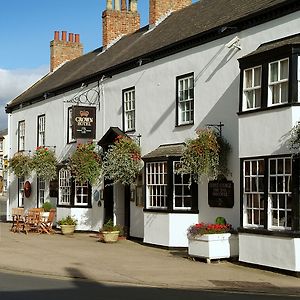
<point x="213" y="246"/>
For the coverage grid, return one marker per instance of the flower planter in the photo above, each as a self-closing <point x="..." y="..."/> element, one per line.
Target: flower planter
<point x="67" y="229"/>
<point x="213" y="246"/>
<point x="110" y="236"/>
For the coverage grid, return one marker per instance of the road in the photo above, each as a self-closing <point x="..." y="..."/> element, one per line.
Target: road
<point x="14" y="286"/>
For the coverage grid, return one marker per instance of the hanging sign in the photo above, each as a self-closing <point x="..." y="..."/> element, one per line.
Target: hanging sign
<point x="220" y="193"/>
<point x="27" y="189"/>
<point x="84" y="122"/>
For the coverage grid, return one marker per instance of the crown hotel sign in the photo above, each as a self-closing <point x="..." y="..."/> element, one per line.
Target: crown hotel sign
<point x="84" y="122"/>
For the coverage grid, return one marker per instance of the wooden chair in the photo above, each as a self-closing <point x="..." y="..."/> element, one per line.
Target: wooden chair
<point x="18" y="219"/>
<point x="46" y="225"/>
<point x="33" y="220"/>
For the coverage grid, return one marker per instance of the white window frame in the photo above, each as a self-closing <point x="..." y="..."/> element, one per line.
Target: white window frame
<point x="156" y="185"/>
<point x="41" y="185"/>
<point x="254" y="89"/>
<point x="41" y="130"/>
<point x="21" y="135"/>
<point x="81" y="198"/>
<point x="253" y="196"/>
<point x="185" y="100"/>
<point x="21" y="195"/>
<point x="279" y="83"/>
<point x="129" y="109"/>
<point x="65" y="184"/>
<point x="283" y="192"/>
<point x="184" y="186"/>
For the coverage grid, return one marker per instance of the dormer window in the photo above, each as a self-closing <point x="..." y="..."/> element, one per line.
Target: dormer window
<point x="278" y="82"/>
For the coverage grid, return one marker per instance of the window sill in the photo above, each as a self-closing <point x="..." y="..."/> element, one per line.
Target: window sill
<point x="171" y="211"/>
<point x="262" y="109"/>
<point x="73" y="206"/>
<point x="185" y="124"/>
<point x="262" y="231"/>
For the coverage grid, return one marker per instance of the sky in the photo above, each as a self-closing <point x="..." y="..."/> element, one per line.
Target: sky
<point x="26" y="29"/>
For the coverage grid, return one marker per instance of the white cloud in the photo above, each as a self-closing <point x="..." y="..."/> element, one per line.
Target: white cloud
<point x="13" y="83"/>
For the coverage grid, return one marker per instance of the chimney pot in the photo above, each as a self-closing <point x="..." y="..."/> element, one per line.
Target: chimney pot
<point x="133" y="5"/>
<point x="77" y="38"/>
<point x="56" y="35"/>
<point x="64" y="36"/>
<point x="124" y="5"/>
<point x="109" y="5"/>
<point x="71" y="37"/>
<point x="117" y="5"/>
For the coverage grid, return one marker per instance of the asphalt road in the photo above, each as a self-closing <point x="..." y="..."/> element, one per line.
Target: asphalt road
<point x="15" y="286"/>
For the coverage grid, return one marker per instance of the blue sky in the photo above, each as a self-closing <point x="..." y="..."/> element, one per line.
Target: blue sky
<point x="26" y="29"/>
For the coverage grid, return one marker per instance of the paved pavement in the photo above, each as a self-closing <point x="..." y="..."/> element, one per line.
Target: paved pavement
<point x="131" y="263"/>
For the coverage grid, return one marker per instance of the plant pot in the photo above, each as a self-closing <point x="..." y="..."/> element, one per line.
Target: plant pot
<point x="214" y="246"/>
<point x="67" y="229"/>
<point x="110" y="236"/>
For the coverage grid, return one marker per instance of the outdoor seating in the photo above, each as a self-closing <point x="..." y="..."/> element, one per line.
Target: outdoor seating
<point x="32" y="220"/>
<point x="17" y="219"/>
<point x="47" y="224"/>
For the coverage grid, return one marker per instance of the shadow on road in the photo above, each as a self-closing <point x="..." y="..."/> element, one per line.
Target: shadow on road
<point x="13" y="287"/>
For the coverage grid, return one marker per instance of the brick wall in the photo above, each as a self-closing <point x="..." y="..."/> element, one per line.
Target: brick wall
<point x="63" y="49"/>
<point x="117" y="22"/>
<point x="158" y="8"/>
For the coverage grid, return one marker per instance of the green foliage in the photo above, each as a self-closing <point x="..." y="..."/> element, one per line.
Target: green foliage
<point x="109" y="226"/>
<point x="67" y="221"/>
<point x="221" y="221"/>
<point x="85" y="164"/>
<point x="44" y="163"/>
<point x="47" y="206"/>
<point x="294" y="141"/>
<point x="206" y="155"/>
<point x="20" y="164"/>
<point x="122" y="162"/>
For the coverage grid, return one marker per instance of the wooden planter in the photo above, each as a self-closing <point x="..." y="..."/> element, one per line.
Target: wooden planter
<point x="214" y="246"/>
<point x="67" y="229"/>
<point x="110" y="236"/>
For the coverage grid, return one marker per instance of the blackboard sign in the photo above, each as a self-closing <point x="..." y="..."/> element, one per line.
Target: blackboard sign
<point x="220" y="193"/>
<point x="84" y="122"/>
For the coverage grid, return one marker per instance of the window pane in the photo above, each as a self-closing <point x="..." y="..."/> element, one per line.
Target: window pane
<point x="272" y="166"/>
<point x="284" y="69"/>
<point x="257" y="76"/>
<point x="284" y="92"/>
<point x="248" y="78"/>
<point x="274" y="72"/>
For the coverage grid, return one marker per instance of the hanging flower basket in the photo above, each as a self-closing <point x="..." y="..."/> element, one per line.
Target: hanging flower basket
<point x="122" y="162"/>
<point x="85" y="164"/>
<point x="294" y="141"/>
<point x="44" y="163"/>
<point x="206" y="155"/>
<point x="20" y="164"/>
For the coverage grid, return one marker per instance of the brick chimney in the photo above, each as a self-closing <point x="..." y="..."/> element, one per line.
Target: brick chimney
<point x="159" y="8"/>
<point x="119" y="20"/>
<point x="62" y="50"/>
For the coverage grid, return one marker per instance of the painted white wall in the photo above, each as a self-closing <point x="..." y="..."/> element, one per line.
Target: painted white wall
<point x="167" y="230"/>
<point x="272" y="251"/>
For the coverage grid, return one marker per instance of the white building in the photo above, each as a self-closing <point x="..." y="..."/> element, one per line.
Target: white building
<point x="217" y="54"/>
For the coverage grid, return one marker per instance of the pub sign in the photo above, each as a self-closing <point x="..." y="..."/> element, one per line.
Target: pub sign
<point x="84" y="122"/>
<point x="220" y="193"/>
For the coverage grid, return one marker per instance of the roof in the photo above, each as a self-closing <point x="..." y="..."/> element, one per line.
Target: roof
<point x="198" y="23"/>
<point x="293" y="40"/>
<point x="166" y="151"/>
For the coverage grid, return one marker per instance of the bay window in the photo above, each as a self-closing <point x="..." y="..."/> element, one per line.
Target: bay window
<point x="267" y="193"/>
<point x="168" y="191"/>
